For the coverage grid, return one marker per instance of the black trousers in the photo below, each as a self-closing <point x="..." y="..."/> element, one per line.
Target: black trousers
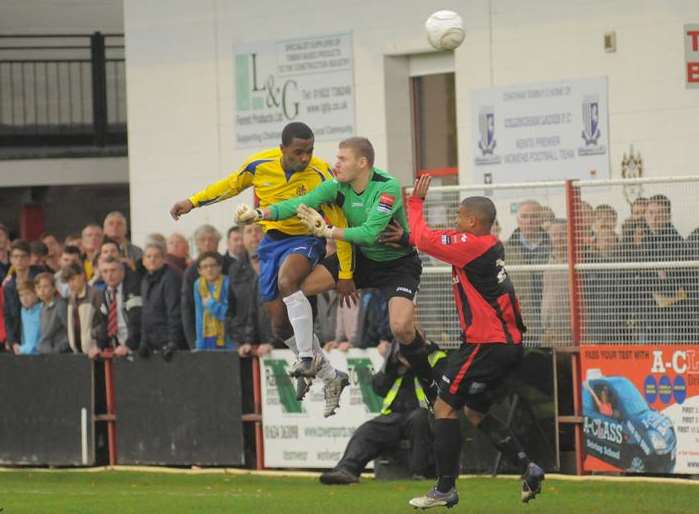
<point x="386" y="432"/>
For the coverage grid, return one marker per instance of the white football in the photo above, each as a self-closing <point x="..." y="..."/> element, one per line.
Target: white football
<point x="445" y="30"/>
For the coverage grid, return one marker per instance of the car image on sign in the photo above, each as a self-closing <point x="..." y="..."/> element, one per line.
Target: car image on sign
<point x="622" y="430"/>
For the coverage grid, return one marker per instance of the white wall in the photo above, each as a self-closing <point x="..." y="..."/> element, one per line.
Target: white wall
<point x="180" y="78"/>
<point x="64" y="172"/>
<point x="60" y="16"/>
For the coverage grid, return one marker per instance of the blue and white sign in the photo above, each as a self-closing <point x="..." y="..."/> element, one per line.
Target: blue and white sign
<point x="545" y="131"/>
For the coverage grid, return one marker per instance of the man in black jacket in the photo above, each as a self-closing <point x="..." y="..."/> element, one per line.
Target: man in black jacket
<point x="404" y="416"/>
<point x="161" y="320"/>
<point x="529" y="244"/>
<point x="250" y="325"/>
<point x="667" y="300"/>
<point x="118" y="320"/>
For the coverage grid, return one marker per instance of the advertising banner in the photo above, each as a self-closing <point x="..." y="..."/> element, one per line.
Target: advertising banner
<point x="296" y="435"/>
<point x="307" y="79"/>
<point x="641" y="408"/>
<point x="545" y="131"/>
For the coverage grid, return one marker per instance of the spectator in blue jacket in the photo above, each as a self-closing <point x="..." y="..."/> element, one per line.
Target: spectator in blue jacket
<point x="211" y="303"/>
<point x="30" y="319"/>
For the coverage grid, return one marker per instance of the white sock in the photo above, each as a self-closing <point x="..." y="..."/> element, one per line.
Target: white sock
<point x="291" y="344"/>
<point x="301" y="319"/>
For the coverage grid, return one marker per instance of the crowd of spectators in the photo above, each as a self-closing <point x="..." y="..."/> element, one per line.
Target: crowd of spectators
<point x="97" y="292"/>
<point x="635" y="289"/>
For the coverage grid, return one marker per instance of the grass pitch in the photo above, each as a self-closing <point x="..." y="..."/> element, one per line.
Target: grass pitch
<point x="126" y="492"/>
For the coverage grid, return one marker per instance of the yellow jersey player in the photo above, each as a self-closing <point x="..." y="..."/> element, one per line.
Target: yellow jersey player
<point x="288" y="251"/>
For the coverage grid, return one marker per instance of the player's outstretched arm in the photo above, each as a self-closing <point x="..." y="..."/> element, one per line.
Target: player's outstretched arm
<point x="385" y="206"/>
<point x="218" y="191"/>
<point x="324" y="193"/>
<point x="446" y="245"/>
<point x="181" y="208"/>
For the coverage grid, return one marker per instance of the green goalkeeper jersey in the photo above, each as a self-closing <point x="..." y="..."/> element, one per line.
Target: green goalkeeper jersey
<point x="368" y="213"/>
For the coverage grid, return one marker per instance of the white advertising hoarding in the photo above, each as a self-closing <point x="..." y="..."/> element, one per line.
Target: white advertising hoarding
<point x="306" y="79"/>
<point x="545" y="131"/>
<point x="296" y="435"/>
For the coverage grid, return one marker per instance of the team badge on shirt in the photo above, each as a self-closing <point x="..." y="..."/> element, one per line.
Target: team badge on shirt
<point x="386" y="203"/>
<point x="446" y="240"/>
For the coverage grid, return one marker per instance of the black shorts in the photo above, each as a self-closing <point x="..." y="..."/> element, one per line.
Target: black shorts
<point x="474" y="373"/>
<point x="399" y="277"/>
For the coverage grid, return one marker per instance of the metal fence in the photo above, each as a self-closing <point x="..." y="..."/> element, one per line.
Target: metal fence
<point x="62" y="90"/>
<point x="635" y="275"/>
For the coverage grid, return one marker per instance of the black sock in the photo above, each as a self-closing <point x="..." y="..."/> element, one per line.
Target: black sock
<point x="447" y="452"/>
<point x="306" y="359"/>
<point x="505" y="441"/>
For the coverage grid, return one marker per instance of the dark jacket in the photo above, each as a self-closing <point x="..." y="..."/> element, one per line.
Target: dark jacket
<point x="325" y="322"/>
<point x="604" y="302"/>
<point x="54" y="327"/>
<point x="372" y="321"/>
<point x="383" y="380"/>
<point x="228" y="261"/>
<point x="13" y="309"/>
<point x="132" y="306"/>
<point x="249" y="323"/>
<point x="161" y="321"/>
<point x="528" y="284"/>
<point x="667" y="291"/>
<point x="190" y="275"/>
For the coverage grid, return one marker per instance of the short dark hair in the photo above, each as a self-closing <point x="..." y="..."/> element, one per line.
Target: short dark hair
<point x="26" y="285"/>
<point x="21" y="245"/>
<point x="234" y="228"/>
<point x="483" y="208"/>
<point x="296" y="130"/>
<point x="640" y="199"/>
<point x="361" y="147"/>
<point x="39" y="248"/>
<point x="210" y="255"/>
<point x="661" y="200"/>
<point x="106" y="240"/>
<point x="72" y="250"/>
<point x="604" y="208"/>
<point x="72" y="270"/>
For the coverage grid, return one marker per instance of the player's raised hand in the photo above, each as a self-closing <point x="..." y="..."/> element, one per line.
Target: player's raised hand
<point x="245" y="215"/>
<point x="422" y="184"/>
<point x="314" y="221"/>
<point x="180" y="208"/>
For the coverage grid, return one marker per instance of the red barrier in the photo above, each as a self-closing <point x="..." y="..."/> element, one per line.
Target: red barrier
<point x="572" y="208"/>
<point x="257" y="399"/>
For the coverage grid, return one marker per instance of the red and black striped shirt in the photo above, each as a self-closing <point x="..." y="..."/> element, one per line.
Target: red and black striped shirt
<point x="488" y="308"/>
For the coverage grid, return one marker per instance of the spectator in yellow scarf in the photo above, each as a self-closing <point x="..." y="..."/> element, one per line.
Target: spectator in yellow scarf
<point x="211" y="303"/>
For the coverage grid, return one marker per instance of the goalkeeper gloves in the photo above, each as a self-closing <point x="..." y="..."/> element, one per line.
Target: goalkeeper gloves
<point x="245" y="215"/>
<point x="314" y="221"/>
